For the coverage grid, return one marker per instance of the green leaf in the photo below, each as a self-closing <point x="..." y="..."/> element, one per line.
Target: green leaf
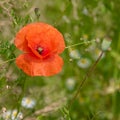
<point x="2" y="82"/>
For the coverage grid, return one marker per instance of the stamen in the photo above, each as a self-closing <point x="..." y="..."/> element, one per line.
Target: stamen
<point x="40" y="50"/>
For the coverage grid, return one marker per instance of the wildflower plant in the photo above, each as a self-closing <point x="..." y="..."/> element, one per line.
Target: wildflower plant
<point x="12" y="115"/>
<point x="28" y="102"/>
<point x="37" y="37"/>
<point x="41" y="44"/>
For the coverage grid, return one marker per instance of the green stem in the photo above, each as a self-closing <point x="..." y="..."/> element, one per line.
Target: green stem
<point x="87" y="42"/>
<point x="7" y="61"/>
<point x="85" y="78"/>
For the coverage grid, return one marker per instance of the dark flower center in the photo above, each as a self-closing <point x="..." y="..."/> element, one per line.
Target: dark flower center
<point x="39" y="50"/>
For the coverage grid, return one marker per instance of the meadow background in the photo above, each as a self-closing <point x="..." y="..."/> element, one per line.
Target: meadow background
<point x="88" y="28"/>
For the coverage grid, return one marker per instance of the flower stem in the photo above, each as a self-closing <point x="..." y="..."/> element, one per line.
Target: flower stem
<point x="7" y="61"/>
<point x="89" y="72"/>
<point x="87" y="42"/>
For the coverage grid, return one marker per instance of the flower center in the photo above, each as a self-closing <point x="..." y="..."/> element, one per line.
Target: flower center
<point x="39" y="50"/>
<point x="42" y="51"/>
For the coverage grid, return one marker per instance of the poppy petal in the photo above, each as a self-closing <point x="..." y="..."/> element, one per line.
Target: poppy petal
<point x="36" y="67"/>
<point x="45" y="35"/>
<point x="20" y="40"/>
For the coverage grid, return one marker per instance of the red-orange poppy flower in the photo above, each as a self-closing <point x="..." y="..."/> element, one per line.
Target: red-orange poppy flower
<point x="41" y="44"/>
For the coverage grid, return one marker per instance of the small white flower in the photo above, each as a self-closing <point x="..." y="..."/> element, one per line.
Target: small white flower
<point x="74" y="54"/>
<point x="84" y="63"/>
<point x="96" y="53"/>
<point x="15" y="115"/>
<point x="28" y="102"/>
<point x="12" y="115"/>
<point x="70" y="83"/>
<point x="6" y="115"/>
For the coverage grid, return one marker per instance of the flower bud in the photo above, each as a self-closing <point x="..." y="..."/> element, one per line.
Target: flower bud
<point x="106" y="44"/>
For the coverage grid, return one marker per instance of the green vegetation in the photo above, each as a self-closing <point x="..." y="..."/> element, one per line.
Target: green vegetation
<point x="89" y="28"/>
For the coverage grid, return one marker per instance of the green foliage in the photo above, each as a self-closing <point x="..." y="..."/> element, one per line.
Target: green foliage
<point x="17" y="20"/>
<point x="88" y="27"/>
<point x="2" y="83"/>
<point x="7" y="50"/>
<point x="66" y="114"/>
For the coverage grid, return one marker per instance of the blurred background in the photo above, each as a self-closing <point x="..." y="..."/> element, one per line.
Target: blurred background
<point x="88" y="27"/>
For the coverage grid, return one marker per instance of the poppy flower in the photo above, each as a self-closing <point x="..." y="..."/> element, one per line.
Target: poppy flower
<point x="41" y="45"/>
